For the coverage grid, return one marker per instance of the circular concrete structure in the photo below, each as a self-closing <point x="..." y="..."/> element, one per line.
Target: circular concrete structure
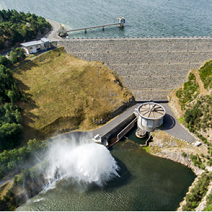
<point x="150" y="116"/>
<point x="140" y="133"/>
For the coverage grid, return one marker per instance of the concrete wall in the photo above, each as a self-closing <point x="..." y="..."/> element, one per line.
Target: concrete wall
<point x="109" y="134"/>
<point x="149" y="67"/>
<point x="121" y="134"/>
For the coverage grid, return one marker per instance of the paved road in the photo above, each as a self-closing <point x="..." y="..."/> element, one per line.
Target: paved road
<point x="52" y="35"/>
<point x="112" y="124"/>
<point x="171" y="125"/>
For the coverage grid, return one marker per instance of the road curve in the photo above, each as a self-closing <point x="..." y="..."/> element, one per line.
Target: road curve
<point x="52" y="35"/>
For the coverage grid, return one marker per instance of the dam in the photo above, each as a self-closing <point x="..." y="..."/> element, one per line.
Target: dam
<point x="149" y="67"/>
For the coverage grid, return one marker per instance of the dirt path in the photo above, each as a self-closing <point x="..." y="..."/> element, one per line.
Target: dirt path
<point x="199" y="81"/>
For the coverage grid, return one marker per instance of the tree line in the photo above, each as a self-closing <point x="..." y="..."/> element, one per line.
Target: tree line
<point x="10" y="114"/>
<point x="13" y="160"/>
<point x="17" y="27"/>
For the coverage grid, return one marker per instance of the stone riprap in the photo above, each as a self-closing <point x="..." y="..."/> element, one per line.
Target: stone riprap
<point x="149" y="67"/>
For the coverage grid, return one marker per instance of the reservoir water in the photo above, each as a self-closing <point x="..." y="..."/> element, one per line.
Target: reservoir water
<point x="144" y="18"/>
<point x="146" y="182"/>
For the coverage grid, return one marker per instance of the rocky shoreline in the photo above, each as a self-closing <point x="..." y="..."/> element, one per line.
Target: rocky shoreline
<point x="167" y="147"/>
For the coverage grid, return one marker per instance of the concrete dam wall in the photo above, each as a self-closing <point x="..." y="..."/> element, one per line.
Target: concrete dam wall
<point x="149" y="67"/>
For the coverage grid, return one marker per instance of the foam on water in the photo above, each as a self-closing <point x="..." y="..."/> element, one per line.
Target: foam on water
<point x="38" y="200"/>
<point x="85" y="161"/>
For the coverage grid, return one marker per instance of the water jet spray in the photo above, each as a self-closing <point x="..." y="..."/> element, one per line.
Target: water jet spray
<point x="82" y="160"/>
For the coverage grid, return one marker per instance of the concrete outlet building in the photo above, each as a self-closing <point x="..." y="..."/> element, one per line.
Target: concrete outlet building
<point x="150" y="116"/>
<point x="35" y="46"/>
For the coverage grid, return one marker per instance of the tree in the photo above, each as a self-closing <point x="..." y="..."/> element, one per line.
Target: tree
<point x="13" y="57"/>
<point x="22" y="55"/>
<point x="33" y="144"/>
<point x="3" y="60"/>
<point x="11" y="95"/>
<point x="10" y="135"/>
<point x="11" y="165"/>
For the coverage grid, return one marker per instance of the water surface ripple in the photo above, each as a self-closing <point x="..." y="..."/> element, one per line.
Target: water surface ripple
<point x="144" y="18"/>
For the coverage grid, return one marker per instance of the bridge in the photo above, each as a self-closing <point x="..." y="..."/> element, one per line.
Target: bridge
<point x="85" y="29"/>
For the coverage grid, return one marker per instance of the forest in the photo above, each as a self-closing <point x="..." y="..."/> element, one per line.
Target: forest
<point x="10" y="114"/>
<point x="17" y="27"/>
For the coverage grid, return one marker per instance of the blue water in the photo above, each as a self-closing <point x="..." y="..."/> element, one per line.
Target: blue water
<point x="144" y="18"/>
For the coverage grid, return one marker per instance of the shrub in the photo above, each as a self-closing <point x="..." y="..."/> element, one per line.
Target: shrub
<point x="184" y="154"/>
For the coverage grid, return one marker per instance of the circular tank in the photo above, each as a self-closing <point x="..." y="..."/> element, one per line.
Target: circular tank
<point x="150" y="116"/>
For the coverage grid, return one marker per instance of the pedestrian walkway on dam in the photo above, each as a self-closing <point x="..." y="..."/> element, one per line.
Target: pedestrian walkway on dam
<point x="149" y="67"/>
<point x="171" y="125"/>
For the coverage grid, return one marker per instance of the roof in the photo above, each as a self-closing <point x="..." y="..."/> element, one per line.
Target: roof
<point x="151" y="110"/>
<point x="31" y="43"/>
<point x="34" y="43"/>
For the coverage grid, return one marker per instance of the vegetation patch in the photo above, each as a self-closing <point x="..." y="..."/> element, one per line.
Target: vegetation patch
<point x="197" y="161"/>
<point x="14" y="160"/>
<point x="10" y="114"/>
<point x="198" y="118"/>
<point x="189" y="91"/>
<point x="198" y="192"/>
<point x="197" y="109"/>
<point x="16" y="27"/>
<point x="65" y="93"/>
<point x="209" y="203"/>
<point x="206" y="74"/>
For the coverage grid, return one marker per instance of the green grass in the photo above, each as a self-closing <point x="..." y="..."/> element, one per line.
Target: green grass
<point x="65" y="93"/>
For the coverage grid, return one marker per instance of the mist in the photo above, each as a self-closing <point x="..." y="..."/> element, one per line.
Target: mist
<point x="81" y="159"/>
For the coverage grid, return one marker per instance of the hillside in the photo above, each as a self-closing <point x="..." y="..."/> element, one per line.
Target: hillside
<point x="64" y="93"/>
<point x="192" y="104"/>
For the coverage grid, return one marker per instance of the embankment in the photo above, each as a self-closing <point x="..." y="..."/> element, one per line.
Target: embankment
<point x="149" y="67"/>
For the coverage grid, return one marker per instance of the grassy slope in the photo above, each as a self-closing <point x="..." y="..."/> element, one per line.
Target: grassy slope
<point x="64" y="92"/>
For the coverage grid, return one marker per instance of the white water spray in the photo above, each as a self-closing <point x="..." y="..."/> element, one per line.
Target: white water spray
<point x="85" y="161"/>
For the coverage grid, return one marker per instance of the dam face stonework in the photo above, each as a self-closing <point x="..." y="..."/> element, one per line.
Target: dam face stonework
<point x="149" y="67"/>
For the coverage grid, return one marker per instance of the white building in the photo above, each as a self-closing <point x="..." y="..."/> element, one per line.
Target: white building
<point x="35" y="46"/>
